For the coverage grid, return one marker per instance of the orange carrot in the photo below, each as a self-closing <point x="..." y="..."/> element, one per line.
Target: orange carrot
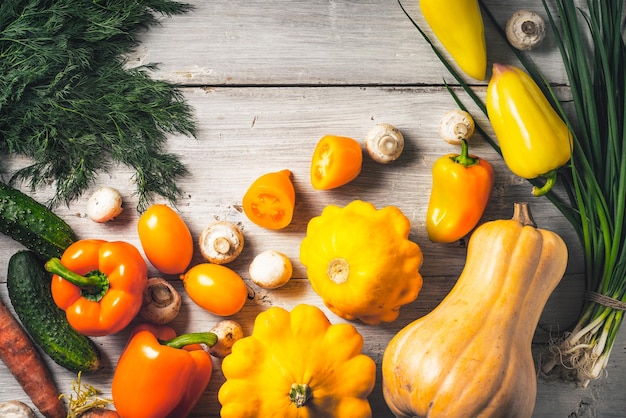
<point x="26" y="364"/>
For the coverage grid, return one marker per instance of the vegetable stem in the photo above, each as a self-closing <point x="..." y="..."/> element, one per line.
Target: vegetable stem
<point x="300" y="394"/>
<point x="464" y="158"/>
<point x="94" y="284"/>
<point x="181" y="341"/>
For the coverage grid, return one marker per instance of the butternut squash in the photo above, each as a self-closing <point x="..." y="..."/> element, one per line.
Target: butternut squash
<point x="471" y="355"/>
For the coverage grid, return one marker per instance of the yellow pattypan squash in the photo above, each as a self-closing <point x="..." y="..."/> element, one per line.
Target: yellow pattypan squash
<point x="361" y="262"/>
<point x="296" y="364"/>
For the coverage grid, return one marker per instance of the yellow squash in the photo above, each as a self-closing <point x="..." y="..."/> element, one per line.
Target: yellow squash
<point x="458" y="24"/>
<point x="535" y="141"/>
<point x="471" y="356"/>
<point x="296" y="364"/>
<point x="361" y="262"/>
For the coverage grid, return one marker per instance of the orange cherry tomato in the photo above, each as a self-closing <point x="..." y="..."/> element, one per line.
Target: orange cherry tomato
<point x="337" y="160"/>
<point x="216" y="288"/>
<point x="270" y="200"/>
<point x="165" y="239"/>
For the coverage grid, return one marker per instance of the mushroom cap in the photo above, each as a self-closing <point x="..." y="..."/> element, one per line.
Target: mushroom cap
<point x="384" y="143"/>
<point x="455" y="126"/>
<point x="525" y="29"/>
<point x="221" y="242"/>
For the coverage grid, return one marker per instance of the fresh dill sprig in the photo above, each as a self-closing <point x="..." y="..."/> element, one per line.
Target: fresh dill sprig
<point x="68" y="102"/>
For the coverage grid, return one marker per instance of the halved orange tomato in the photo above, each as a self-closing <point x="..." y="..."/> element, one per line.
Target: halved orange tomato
<point x="336" y="161"/>
<point x="269" y="202"/>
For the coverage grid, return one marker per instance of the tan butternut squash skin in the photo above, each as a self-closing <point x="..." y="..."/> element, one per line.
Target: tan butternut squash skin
<point x="471" y="356"/>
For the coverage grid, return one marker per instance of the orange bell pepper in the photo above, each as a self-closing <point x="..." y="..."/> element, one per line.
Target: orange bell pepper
<point x="270" y="200"/>
<point x="99" y="285"/>
<point x="161" y="375"/>
<point x="461" y="188"/>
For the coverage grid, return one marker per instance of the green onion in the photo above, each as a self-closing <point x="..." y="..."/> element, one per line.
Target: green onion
<point x="593" y="50"/>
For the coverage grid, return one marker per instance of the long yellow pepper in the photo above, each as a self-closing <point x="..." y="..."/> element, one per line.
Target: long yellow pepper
<point x="535" y="141"/>
<point x="459" y="27"/>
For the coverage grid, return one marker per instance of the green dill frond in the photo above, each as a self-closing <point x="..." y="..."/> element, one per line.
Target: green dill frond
<point x="68" y="103"/>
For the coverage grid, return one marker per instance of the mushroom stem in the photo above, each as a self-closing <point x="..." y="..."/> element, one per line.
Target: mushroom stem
<point x="161" y="294"/>
<point x="460" y="129"/>
<point x="161" y="302"/>
<point x="387" y="145"/>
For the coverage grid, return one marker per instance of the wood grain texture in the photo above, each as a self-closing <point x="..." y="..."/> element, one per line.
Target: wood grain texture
<point x="269" y="78"/>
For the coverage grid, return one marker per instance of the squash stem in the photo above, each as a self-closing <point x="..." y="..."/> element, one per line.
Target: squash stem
<point x="521" y="213"/>
<point x="300" y="394"/>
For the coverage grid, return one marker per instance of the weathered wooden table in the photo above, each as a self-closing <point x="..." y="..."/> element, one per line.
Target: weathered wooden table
<point x="269" y="78"/>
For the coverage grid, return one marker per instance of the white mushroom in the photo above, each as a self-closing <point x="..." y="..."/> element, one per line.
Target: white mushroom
<point x="161" y="302"/>
<point x="228" y="332"/>
<point x="384" y="143"/>
<point x="15" y="409"/>
<point x="525" y="29"/>
<point x="270" y="269"/>
<point x="221" y="242"/>
<point x="104" y="204"/>
<point x="455" y="126"/>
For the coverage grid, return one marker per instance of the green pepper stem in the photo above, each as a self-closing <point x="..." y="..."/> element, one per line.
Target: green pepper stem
<point x="208" y="338"/>
<point x="464" y="158"/>
<point x="299" y="394"/>
<point x="550" y="181"/>
<point x="94" y="283"/>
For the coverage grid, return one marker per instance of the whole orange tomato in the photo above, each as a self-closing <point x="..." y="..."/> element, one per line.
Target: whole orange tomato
<point x="216" y="288"/>
<point x="165" y="239"/>
<point x="337" y="160"/>
<point x="269" y="201"/>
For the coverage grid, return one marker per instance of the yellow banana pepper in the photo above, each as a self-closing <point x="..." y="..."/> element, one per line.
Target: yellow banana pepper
<point x="459" y="27"/>
<point x="535" y="141"/>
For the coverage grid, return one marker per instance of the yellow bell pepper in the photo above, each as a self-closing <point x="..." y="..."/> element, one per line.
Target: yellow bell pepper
<point x="297" y="364"/>
<point x="361" y="262"/>
<point x="535" y="141"/>
<point x="458" y="24"/>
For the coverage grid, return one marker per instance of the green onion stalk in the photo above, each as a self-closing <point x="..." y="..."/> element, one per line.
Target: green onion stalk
<point x="590" y="38"/>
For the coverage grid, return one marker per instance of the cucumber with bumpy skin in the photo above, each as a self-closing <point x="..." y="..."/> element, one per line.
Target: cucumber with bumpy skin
<point x="33" y="224"/>
<point x="28" y="284"/>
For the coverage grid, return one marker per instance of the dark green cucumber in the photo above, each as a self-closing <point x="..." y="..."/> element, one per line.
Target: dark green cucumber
<point x="28" y="284"/>
<point x="33" y="224"/>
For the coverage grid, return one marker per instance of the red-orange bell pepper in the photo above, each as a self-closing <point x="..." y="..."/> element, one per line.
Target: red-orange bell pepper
<point x="462" y="184"/>
<point x="99" y="285"/>
<point x="160" y="375"/>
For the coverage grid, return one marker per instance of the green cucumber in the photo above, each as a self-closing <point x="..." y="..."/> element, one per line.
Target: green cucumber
<point x="28" y="284"/>
<point x="33" y="224"/>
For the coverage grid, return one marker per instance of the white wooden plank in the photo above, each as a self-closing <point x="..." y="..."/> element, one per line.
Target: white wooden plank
<point x="318" y="42"/>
